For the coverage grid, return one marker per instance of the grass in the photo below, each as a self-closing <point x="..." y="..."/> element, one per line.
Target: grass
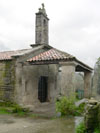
<point x="12" y="108"/>
<point x="17" y="110"/>
<point x="66" y="106"/>
<point x="4" y="111"/>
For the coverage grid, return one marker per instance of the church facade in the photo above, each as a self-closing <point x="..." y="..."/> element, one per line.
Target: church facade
<point x="35" y="77"/>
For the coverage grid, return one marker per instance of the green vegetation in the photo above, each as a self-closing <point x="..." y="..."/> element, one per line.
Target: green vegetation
<point x="97" y="130"/>
<point x="17" y="110"/>
<point x="67" y="106"/>
<point x="81" y="128"/>
<point x="4" y="111"/>
<point x="80" y="109"/>
<point x="12" y="108"/>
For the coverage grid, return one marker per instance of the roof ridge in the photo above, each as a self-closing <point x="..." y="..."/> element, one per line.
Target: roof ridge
<point x="14" y="50"/>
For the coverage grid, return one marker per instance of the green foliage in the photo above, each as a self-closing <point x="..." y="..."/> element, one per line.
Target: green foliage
<point x="12" y="108"/>
<point x="80" y="109"/>
<point x="98" y="61"/>
<point x="19" y="110"/>
<point x="66" y="106"/>
<point x="81" y="128"/>
<point x="7" y="104"/>
<point x="97" y="130"/>
<point x="4" y="110"/>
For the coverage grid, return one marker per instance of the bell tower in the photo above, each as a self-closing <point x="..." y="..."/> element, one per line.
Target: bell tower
<point x="41" y="29"/>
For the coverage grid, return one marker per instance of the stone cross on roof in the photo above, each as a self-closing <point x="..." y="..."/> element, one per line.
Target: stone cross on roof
<point x="43" y="6"/>
<point x="42" y="10"/>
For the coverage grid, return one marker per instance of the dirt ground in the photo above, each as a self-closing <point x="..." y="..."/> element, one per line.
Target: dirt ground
<point x="11" y="124"/>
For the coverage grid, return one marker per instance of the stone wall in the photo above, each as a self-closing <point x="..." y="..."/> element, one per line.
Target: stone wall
<point x="67" y="78"/>
<point x="27" y="78"/>
<point x="7" y="80"/>
<point x="92" y="115"/>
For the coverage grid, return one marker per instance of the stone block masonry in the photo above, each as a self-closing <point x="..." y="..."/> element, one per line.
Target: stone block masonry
<point x="7" y="80"/>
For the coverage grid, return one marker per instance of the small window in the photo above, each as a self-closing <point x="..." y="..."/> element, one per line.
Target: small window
<point x="44" y="22"/>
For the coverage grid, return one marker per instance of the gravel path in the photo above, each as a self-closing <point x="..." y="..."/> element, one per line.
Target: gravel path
<point x="10" y="124"/>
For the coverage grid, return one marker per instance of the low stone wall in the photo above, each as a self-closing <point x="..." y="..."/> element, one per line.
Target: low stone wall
<point x="92" y="115"/>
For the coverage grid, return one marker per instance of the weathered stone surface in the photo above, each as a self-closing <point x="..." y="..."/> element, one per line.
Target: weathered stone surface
<point x="87" y="84"/>
<point x="93" y="101"/>
<point x="42" y="27"/>
<point x="84" y="100"/>
<point x="92" y="112"/>
<point x="7" y="80"/>
<point x="96" y="80"/>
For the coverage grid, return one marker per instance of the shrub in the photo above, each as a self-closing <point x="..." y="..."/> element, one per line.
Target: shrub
<point x="80" y="109"/>
<point x="66" y="106"/>
<point x="81" y="128"/>
<point x="97" y="130"/>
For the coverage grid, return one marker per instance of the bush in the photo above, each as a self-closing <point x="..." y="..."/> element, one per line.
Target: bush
<point x="66" y="106"/>
<point x="80" y="109"/>
<point x="81" y="128"/>
<point x="97" y="130"/>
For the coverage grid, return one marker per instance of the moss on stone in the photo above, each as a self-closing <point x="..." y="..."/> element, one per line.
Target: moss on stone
<point x="7" y="80"/>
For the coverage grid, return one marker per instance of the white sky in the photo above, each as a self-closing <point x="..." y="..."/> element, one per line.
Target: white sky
<point x="74" y="26"/>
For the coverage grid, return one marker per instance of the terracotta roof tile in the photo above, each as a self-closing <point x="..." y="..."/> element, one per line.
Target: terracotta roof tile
<point x="52" y="54"/>
<point x="7" y="55"/>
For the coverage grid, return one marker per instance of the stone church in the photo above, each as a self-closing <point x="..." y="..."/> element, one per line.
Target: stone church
<point x="35" y="77"/>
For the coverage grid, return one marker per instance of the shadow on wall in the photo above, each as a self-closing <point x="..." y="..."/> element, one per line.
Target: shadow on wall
<point x="79" y="85"/>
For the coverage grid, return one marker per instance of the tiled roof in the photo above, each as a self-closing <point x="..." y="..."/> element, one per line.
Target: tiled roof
<point x="52" y="54"/>
<point x="7" y="55"/>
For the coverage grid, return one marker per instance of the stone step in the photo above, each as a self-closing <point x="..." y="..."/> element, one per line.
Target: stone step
<point x="45" y="109"/>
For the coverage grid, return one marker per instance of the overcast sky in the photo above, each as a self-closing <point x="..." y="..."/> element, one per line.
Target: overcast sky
<point x="74" y="26"/>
